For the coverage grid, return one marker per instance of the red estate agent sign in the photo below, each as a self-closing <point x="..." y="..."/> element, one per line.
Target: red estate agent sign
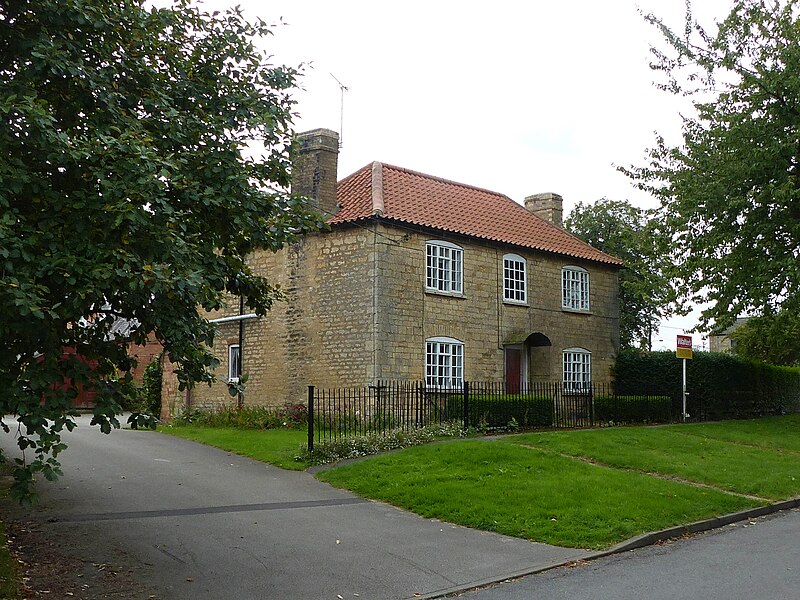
<point x="684" y="348"/>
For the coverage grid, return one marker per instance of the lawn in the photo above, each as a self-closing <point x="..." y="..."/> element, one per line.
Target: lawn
<point x="10" y="587"/>
<point x="275" y="446"/>
<point x="775" y="433"/>
<point x="10" y="571"/>
<point x="689" y="452"/>
<point x="529" y="493"/>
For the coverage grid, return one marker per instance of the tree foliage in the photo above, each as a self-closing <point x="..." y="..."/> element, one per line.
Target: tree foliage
<point x="730" y="191"/>
<point x="773" y="337"/>
<point x="126" y="192"/>
<point x="625" y="231"/>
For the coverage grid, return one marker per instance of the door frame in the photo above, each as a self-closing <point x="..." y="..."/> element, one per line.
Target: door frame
<point x="523" y="364"/>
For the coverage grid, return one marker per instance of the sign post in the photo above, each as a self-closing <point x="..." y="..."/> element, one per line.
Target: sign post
<point x="684" y="351"/>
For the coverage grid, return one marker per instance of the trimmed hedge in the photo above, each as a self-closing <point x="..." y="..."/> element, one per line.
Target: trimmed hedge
<point x="633" y="409"/>
<point x="720" y="386"/>
<point x="498" y="411"/>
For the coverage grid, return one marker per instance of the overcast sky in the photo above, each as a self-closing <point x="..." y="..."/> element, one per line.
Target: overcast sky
<point x="518" y="97"/>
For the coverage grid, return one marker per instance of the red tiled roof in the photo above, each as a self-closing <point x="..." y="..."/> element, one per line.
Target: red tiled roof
<point x="409" y="197"/>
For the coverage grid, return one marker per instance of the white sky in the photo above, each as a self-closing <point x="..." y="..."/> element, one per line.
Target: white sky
<point x="518" y="97"/>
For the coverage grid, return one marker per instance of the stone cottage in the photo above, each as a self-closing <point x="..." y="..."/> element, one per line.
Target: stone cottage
<point x="420" y="278"/>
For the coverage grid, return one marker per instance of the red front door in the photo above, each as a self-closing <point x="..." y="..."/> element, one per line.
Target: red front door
<point x="513" y="370"/>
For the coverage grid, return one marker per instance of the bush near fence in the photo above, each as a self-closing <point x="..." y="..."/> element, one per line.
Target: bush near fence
<point x="633" y="409"/>
<point x="497" y="411"/>
<point x="151" y="387"/>
<point x="352" y="421"/>
<point x="246" y="417"/>
<point x="720" y="386"/>
<point x="527" y="410"/>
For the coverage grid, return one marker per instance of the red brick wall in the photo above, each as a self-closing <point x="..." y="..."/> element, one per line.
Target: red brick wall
<point x="144" y="355"/>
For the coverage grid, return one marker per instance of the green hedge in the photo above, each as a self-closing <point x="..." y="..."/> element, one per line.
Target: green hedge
<point x="633" y="409"/>
<point x="497" y="411"/>
<point x="720" y="386"/>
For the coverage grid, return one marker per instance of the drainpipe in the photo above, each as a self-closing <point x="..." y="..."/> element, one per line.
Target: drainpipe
<point x="241" y="351"/>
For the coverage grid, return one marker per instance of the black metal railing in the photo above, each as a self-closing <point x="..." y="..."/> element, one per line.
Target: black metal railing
<point x="343" y="413"/>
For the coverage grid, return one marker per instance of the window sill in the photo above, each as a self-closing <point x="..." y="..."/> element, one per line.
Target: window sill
<point x="445" y="294"/>
<point x="432" y="389"/>
<point x="515" y="303"/>
<point x="576" y="311"/>
<point x="572" y="392"/>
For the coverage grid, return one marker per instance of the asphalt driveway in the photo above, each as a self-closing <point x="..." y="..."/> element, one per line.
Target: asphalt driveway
<point x="194" y="522"/>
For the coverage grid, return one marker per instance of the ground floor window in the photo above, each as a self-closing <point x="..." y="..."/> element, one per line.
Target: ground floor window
<point x="577" y="369"/>
<point x="444" y="363"/>
<point x="234" y="363"/>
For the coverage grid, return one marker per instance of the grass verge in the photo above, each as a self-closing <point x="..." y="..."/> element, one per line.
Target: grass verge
<point x="743" y="469"/>
<point x="774" y="433"/>
<point x="10" y="571"/>
<point x="524" y="492"/>
<point x="275" y="446"/>
<point x="10" y="576"/>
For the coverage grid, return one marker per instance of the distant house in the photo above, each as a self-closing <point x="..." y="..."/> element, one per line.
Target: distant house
<point x="721" y="341"/>
<point x="121" y="328"/>
<point x="420" y="278"/>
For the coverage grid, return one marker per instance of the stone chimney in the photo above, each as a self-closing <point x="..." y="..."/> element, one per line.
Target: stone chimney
<point x="547" y="206"/>
<point x="314" y="162"/>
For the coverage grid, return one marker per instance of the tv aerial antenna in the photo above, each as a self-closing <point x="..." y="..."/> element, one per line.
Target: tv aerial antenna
<point x="342" y="89"/>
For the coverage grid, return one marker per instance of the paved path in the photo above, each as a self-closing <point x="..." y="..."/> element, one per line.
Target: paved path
<point x="199" y="523"/>
<point x="755" y="559"/>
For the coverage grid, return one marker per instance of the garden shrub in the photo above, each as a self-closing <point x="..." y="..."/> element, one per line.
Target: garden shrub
<point x="246" y="417"/>
<point x="145" y="401"/>
<point x="329" y="451"/>
<point x="151" y="387"/>
<point x="501" y="411"/>
<point x="632" y="409"/>
<point x="351" y="421"/>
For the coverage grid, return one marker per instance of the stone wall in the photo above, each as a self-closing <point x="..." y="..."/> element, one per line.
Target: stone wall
<point x="480" y="318"/>
<point x="356" y="311"/>
<point x="319" y="334"/>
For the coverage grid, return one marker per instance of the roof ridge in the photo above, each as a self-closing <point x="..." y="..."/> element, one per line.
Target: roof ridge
<point x="494" y="193"/>
<point x="377" y="189"/>
<point x="449" y="181"/>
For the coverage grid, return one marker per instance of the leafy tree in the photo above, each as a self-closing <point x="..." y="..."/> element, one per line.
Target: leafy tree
<point x="622" y="230"/>
<point x="773" y="337"/>
<point x="730" y="191"/>
<point x="128" y="191"/>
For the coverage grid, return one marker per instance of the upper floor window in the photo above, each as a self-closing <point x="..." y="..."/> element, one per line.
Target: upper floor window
<point x="444" y="363"/>
<point x="575" y="288"/>
<point x="515" y="281"/>
<point x="444" y="262"/>
<point x="577" y="369"/>
<point x="234" y="363"/>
